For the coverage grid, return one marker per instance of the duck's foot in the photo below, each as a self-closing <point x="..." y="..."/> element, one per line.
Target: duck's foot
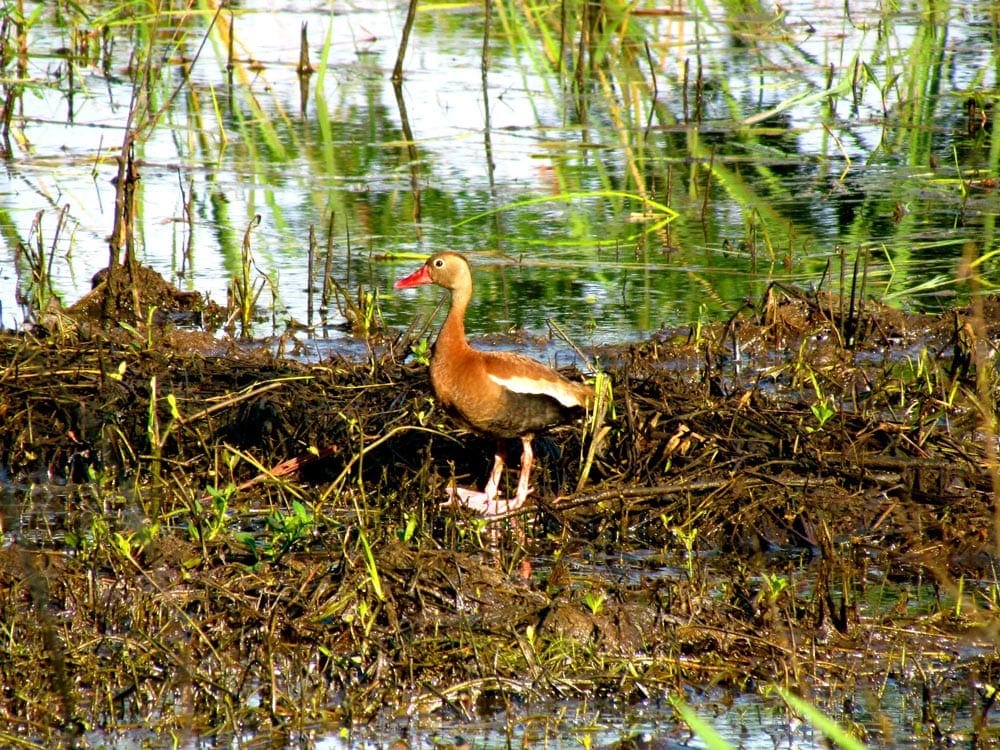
<point x="482" y="502"/>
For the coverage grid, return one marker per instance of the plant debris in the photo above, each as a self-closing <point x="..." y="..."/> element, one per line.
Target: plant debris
<point x="215" y="540"/>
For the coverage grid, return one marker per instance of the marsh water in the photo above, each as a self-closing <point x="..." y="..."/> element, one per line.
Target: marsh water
<point x="662" y="171"/>
<point x="783" y="136"/>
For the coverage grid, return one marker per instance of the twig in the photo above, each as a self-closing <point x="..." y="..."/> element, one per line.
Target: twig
<point x="284" y="469"/>
<point x="250" y="392"/>
<point x="374" y="444"/>
<point x="411" y="14"/>
<point x="569" y="342"/>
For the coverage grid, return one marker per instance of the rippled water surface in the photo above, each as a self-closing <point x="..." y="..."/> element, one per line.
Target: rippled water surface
<point x="723" y="117"/>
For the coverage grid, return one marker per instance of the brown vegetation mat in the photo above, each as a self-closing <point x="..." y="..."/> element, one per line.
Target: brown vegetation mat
<point x="226" y="541"/>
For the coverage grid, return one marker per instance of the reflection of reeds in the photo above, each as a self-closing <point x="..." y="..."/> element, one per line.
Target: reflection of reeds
<point x="361" y="312"/>
<point x="652" y="93"/>
<point x="38" y="294"/>
<point x="649" y="214"/>
<point x="146" y="109"/>
<point x="260" y="125"/>
<point x="13" y="36"/>
<point x="246" y="288"/>
<point x="609" y="54"/>
<point x="602" y="51"/>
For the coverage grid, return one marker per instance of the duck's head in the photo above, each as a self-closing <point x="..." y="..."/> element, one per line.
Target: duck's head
<point x="449" y="270"/>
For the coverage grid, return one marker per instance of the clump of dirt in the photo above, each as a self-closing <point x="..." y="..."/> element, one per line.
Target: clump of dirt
<point x="229" y="541"/>
<point x="148" y="293"/>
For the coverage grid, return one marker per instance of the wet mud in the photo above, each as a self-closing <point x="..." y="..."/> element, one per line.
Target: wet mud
<point x="205" y="537"/>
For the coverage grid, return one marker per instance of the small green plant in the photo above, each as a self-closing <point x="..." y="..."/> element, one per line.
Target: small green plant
<point x="699" y="324"/>
<point x="156" y="434"/>
<point x="473" y="528"/>
<point x="371" y="564"/>
<point x="406" y="533"/>
<point x="291" y="526"/>
<point x="366" y="616"/>
<point x="421" y="352"/>
<point x="245" y="290"/>
<point x="148" y="338"/>
<point x="288" y="529"/>
<point x="85" y="542"/>
<point x="285" y="531"/>
<point x="594" y="427"/>
<point x="923" y="370"/>
<point x="594" y="600"/>
<point x="424" y="414"/>
<point x="687" y="538"/>
<point x="38" y="293"/>
<point x="367" y="314"/>
<point x="774" y="586"/>
<point x="211" y="526"/>
<point x="131" y="544"/>
<point x="823" y="408"/>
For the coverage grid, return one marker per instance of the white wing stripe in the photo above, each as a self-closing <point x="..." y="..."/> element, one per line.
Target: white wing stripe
<point x="560" y="392"/>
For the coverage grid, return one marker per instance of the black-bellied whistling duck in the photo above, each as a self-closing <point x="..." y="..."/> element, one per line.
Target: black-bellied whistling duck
<point x="500" y="394"/>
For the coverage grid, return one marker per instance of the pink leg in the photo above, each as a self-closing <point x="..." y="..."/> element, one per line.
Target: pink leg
<point x="493" y="483"/>
<point x="523" y="488"/>
<point x="487" y="502"/>
<point x="484" y="502"/>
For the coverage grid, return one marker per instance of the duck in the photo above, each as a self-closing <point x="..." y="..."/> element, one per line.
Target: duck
<point x="502" y="395"/>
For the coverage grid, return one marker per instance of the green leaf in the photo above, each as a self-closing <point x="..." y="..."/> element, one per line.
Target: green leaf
<point x="820" y="721"/>
<point x="705" y="732"/>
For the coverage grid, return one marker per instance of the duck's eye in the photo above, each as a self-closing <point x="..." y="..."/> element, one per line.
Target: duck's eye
<point x="439" y="262"/>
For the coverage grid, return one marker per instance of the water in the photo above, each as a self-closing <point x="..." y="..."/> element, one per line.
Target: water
<point x="783" y="196"/>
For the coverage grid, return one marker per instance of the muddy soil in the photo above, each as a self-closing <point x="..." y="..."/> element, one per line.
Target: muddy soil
<point x="203" y="537"/>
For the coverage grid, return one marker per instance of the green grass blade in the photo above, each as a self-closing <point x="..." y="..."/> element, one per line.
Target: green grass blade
<point x="820" y="721"/>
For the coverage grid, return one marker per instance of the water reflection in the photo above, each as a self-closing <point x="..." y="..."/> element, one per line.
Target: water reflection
<point x="679" y="117"/>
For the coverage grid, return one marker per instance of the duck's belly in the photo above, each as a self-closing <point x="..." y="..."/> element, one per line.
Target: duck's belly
<point x="508" y="414"/>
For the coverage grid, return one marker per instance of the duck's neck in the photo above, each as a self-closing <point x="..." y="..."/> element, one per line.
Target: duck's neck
<point x="452" y="334"/>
